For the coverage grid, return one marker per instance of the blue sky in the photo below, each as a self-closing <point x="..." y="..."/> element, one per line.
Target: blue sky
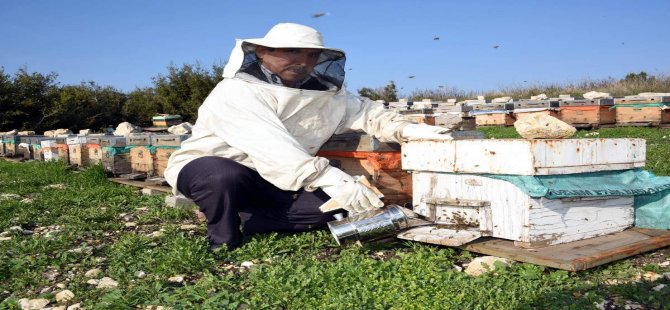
<point x="125" y="43"/>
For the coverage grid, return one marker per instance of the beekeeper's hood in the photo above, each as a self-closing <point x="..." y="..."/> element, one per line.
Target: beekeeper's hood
<point x="329" y="67"/>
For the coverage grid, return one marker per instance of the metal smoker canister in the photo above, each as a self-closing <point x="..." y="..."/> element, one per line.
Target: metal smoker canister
<point x="374" y="224"/>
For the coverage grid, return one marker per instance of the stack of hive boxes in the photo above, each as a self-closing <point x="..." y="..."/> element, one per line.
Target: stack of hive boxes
<point x="115" y="155"/>
<point x="77" y="151"/>
<point x="141" y="154"/>
<point x="165" y="145"/>
<point x="642" y="110"/>
<point x="591" y="113"/>
<point x="453" y="185"/>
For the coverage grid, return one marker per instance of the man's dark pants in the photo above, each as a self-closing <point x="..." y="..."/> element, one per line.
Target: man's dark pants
<point x="232" y="195"/>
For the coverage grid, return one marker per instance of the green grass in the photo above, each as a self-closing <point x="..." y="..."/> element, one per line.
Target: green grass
<point x="290" y="271"/>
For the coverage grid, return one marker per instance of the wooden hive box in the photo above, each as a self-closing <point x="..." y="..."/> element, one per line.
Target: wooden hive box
<point x="642" y="111"/>
<point x="49" y="150"/>
<point x="448" y="186"/>
<point x="473" y="206"/>
<point x="2" y="145"/>
<point x="11" y="143"/>
<point x="163" y="154"/>
<point x="166" y="120"/>
<point x="138" y="140"/>
<point x="360" y="154"/>
<point x="495" y="119"/>
<point x="11" y="149"/>
<point x="116" y="160"/>
<point x="63" y="152"/>
<point x="142" y="160"/>
<point x="523" y="156"/>
<point x="36" y="147"/>
<point x="94" y="153"/>
<point x="78" y="155"/>
<point x="587" y="112"/>
<point x="113" y="141"/>
<point x="23" y="149"/>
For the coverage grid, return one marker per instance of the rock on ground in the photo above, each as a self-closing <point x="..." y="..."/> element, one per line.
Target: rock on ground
<point x="479" y="265"/>
<point x="542" y="126"/>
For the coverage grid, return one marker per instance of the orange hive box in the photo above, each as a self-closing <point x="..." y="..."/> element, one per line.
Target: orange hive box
<point x="142" y="160"/>
<point x="382" y="169"/>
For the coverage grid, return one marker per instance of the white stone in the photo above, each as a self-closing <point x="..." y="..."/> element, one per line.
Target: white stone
<point x="76" y="306"/>
<point x="130" y="224"/>
<point x="539" y="97"/>
<point x="651" y="276"/>
<point x="188" y="227"/>
<point x="151" y="192"/>
<point x="501" y="100"/>
<point x="93" y="282"/>
<point x="33" y="304"/>
<point x="666" y="275"/>
<point x="247" y="264"/>
<point x="596" y="95"/>
<point x="665" y="263"/>
<point x="659" y="287"/>
<point x="126" y="128"/>
<point x="93" y="273"/>
<point x="10" y="196"/>
<point x="176" y="279"/>
<point x="26" y="133"/>
<point x="5" y="238"/>
<point x="84" y="132"/>
<point x="140" y="274"/>
<point x="631" y="305"/>
<point x="181" y="129"/>
<point x="479" y="265"/>
<point x="178" y="201"/>
<point x="107" y="282"/>
<point x="56" y="186"/>
<point x="155" y="234"/>
<point x="64" y="296"/>
<point x="542" y="126"/>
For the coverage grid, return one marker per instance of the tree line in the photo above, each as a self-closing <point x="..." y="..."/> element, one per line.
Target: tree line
<point x="36" y="101"/>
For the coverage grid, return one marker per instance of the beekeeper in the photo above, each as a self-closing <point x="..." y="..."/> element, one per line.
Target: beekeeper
<point x="250" y="163"/>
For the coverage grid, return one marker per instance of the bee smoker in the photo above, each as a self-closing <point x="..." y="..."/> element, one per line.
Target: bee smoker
<point x="375" y="224"/>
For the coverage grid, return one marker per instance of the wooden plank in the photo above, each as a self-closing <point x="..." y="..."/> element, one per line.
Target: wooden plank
<point x="142" y="184"/>
<point x="578" y="255"/>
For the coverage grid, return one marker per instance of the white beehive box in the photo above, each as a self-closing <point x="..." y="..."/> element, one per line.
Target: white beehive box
<point x="449" y="186"/>
<point x="471" y="206"/>
<point x="523" y="156"/>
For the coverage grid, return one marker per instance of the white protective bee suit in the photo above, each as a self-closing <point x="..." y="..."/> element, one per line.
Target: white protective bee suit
<point x="277" y="130"/>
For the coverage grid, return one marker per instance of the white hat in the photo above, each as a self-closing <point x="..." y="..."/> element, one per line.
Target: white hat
<point x="283" y="35"/>
<point x="286" y="35"/>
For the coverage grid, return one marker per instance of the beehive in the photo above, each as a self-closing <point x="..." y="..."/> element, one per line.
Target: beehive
<point x="116" y="160"/>
<point x="450" y="185"/>
<point x="94" y="153"/>
<point x="587" y="112"/>
<point x="360" y="154"/>
<point x="142" y="160"/>
<point x="78" y="154"/>
<point x="638" y="110"/>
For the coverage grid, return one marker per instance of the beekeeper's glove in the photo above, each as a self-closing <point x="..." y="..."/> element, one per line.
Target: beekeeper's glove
<point x="424" y="131"/>
<point x="347" y="192"/>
